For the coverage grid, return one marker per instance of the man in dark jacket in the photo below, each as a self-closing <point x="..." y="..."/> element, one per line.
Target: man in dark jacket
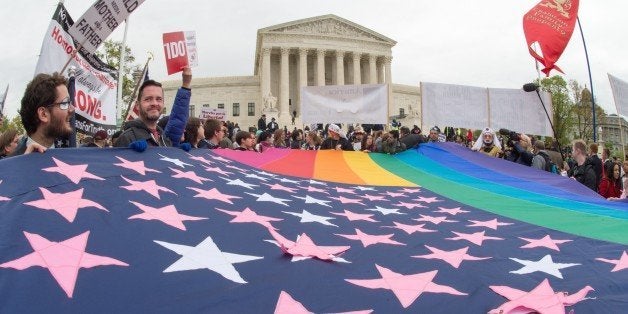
<point x="596" y="162"/>
<point x="410" y="140"/>
<point x="261" y="123"/>
<point x="583" y="172"/>
<point x="150" y="102"/>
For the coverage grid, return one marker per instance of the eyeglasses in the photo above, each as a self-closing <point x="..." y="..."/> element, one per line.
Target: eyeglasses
<point x="63" y="105"/>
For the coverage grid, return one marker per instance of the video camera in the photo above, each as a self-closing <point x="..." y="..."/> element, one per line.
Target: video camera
<point x="512" y="135"/>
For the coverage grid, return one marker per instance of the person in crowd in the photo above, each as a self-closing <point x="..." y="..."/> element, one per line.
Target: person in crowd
<point x="624" y="180"/>
<point x="45" y="111"/>
<point x="98" y="141"/>
<point x="611" y="185"/>
<point x="488" y="143"/>
<point x="264" y="141"/>
<point x="236" y="129"/>
<point x="584" y="171"/>
<point x="144" y="130"/>
<point x="297" y="139"/>
<point x="279" y="139"/>
<point x="294" y="116"/>
<point x="368" y="145"/>
<point x="391" y="144"/>
<point x="225" y="142"/>
<point x="520" y="152"/>
<point x="8" y="142"/>
<point x="114" y="138"/>
<point x="312" y="141"/>
<point x="272" y="126"/>
<point x="336" y="139"/>
<point x="194" y="132"/>
<point x="377" y="140"/>
<point x="245" y="141"/>
<point x="436" y="136"/>
<point x="416" y="129"/>
<point x="411" y="139"/>
<point x="541" y="159"/>
<point x="357" y="136"/>
<point x="261" y="123"/>
<point x="606" y="159"/>
<point x="460" y="140"/>
<point x="596" y="162"/>
<point x="214" y="133"/>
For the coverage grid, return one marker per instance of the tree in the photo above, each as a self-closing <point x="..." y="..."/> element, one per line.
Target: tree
<point x="562" y="106"/>
<point x="15" y="123"/>
<point x="110" y="53"/>
<point x="582" y="113"/>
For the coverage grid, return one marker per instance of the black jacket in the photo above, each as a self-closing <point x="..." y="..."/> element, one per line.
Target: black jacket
<point x="585" y="174"/>
<point x="137" y="130"/>
<point x="330" y="143"/>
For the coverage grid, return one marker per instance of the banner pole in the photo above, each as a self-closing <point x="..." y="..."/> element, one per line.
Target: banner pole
<point x="586" y="54"/>
<point x="137" y="85"/>
<point x="121" y="66"/>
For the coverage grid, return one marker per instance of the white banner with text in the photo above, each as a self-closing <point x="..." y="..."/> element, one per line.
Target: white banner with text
<point x="366" y="104"/>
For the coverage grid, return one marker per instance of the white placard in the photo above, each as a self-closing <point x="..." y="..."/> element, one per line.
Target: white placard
<point x="345" y="104"/>
<point x="212" y="113"/>
<point x="190" y="43"/>
<point x="520" y="111"/>
<point x="620" y="94"/>
<point x="453" y="105"/>
<point x="99" y="21"/>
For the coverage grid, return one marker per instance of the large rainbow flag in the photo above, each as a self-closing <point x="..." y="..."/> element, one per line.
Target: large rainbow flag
<point x="438" y="229"/>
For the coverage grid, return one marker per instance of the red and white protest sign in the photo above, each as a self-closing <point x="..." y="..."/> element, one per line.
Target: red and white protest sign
<point x="180" y="50"/>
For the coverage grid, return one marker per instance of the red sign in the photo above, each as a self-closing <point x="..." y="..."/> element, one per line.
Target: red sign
<point x="175" y="51"/>
<point x="550" y="24"/>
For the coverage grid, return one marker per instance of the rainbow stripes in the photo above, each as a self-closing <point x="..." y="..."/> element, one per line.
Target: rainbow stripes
<point x="497" y="186"/>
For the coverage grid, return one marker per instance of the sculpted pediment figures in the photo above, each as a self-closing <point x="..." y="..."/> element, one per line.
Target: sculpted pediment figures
<point x="329" y="27"/>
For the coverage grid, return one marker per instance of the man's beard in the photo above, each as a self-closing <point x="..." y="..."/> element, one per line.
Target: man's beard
<point x="58" y="128"/>
<point x="146" y="117"/>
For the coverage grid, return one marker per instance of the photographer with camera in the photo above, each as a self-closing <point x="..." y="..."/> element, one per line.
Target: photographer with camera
<point x="488" y="143"/>
<point x="520" y="145"/>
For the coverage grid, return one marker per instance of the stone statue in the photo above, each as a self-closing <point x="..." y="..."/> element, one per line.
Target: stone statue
<point x="270" y="101"/>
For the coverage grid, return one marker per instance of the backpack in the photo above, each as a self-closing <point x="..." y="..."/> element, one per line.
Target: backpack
<point x="550" y="166"/>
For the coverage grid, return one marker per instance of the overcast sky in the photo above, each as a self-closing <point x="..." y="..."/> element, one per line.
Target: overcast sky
<point x="478" y="43"/>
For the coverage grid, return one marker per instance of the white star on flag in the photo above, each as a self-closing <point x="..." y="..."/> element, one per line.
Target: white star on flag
<point x="309" y="217"/>
<point x="175" y="161"/>
<point x="545" y="264"/>
<point x="269" y="198"/>
<point x="207" y="255"/>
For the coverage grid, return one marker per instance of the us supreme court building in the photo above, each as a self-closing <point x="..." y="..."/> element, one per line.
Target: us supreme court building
<point x="317" y="51"/>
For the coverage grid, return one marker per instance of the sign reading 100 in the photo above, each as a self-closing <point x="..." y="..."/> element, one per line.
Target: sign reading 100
<point x="174" y="49"/>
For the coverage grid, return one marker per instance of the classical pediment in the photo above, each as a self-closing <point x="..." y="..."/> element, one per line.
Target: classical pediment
<point x="328" y="25"/>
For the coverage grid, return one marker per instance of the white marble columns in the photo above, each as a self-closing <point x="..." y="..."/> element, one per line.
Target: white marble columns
<point x="340" y="67"/>
<point x="284" y="84"/>
<point x="357" y="73"/>
<point x="265" y="72"/>
<point x="372" y="69"/>
<point x="320" y="67"/>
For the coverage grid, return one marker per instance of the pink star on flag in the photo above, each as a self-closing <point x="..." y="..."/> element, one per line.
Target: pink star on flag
<point x="492" y="224"/>
<point x="434" y="220"/>
<point x="188" y="175"/>
<point x="315" y="189"/>
<point x="167" y="214"/>
<point x="346" y="200"/>
<point x="407" y="190"/>
<point x="280" y="187"/>
<point x="73" y="172"/>
<point x="66" y="204"/>
<point x="428" y="200"/>
<point x="409" y="205"/>
<point x="620" y="264"/>
<point x="542" y="299"/>
<point x="355" y="217"/>
<point x="375" y="197"/>
<point x="393" y="194"/>
<point x="545" y="241"/>
<point x="137" y="166"/>
<point x="287" y="305"/>
<point x="63" y="259"/>
<point x="214" y="194"/>
<point x="343" y="190"/>
<point x="452" y="211"/>
<point x="410" y="229"/>
<point x="247" y="215"/>
<point x="475" y="238"/>
<point x="453" y="258"/>
<point x="218" y="170"/>
<point x="304" y="246"/>
<point x="149" y="187"/>
<point x="407" y="288"/>
<point x="370" y="239"/>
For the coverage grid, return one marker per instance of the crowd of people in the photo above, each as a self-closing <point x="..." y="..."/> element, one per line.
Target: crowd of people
<point x="46" y="111"/>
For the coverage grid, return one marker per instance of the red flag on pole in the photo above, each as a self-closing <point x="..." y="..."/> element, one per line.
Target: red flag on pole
<point x="550" y="23"/>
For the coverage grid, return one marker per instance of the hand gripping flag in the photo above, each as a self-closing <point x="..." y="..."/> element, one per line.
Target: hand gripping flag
<point x="550" y="24"/>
